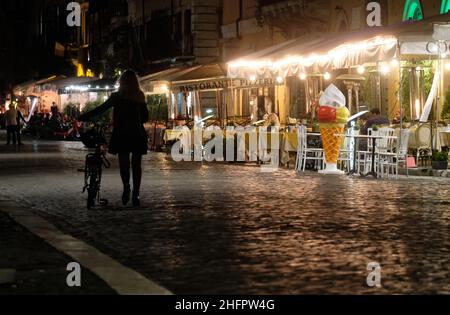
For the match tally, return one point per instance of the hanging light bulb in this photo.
(253, 78)
(395, 63)
(385, 69)
(303, 76)
(361, 69)
(280, 80)
(327, 76)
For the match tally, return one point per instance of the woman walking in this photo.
(129, 137)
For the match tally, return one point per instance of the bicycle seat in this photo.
(91, 139)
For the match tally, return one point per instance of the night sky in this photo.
(31, 30)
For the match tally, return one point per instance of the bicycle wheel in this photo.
(92, 190)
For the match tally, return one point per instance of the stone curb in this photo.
(123, 280)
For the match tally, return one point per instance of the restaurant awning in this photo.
(86, 85)
(25, 88)
(44, 85)
(158, 83)
(416, 45)
(73, 81)
(203, 72)
(50, 79)
(316, 54)
(202, 77)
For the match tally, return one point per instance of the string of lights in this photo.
(328, 60)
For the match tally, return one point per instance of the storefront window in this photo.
(208, 103)
(250, 100)
(413, 11)
(445, 6)
(297, 98)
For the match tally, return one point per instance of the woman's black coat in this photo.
(129, 116)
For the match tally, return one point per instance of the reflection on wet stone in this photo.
(230, 229)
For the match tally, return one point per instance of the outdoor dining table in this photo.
(375, 138)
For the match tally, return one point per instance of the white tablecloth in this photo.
(420, 137)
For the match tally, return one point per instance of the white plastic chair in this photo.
(365, 157)
(386, 144)
(383, 145)
(391, 161)
(305, 154)
(347, 150)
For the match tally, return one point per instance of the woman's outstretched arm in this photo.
(99, 110)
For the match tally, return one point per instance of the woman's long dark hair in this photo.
(129, 85)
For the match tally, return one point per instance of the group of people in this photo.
(129, 138)
(51, 125)
(42, 124)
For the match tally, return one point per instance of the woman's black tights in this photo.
(136, 166)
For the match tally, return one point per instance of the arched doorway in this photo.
(445, 8)
(413, 11)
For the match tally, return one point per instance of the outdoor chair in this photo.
(305, 153)
(347, 151)
(423, 142)
(365, 156)
(390, 161)
(382, 146)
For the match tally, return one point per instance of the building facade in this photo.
(176, 31)
(251, 26)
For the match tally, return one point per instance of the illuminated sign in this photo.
(225, 83)
(203, 86)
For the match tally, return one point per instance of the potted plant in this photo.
(440, 161)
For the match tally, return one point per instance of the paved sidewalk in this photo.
(120, 278)
(230, 229)
(40, 269)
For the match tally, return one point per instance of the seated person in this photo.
(271, 120)
(375, 119)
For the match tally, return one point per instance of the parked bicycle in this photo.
(94, 165)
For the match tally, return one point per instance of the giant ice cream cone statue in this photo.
(333, 116)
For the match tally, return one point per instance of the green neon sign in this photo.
(445, 8)
(413, 10)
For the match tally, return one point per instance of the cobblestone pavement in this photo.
(40, 269)
(231, 229)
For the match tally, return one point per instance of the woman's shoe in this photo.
(126, 195)
(136, 200)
